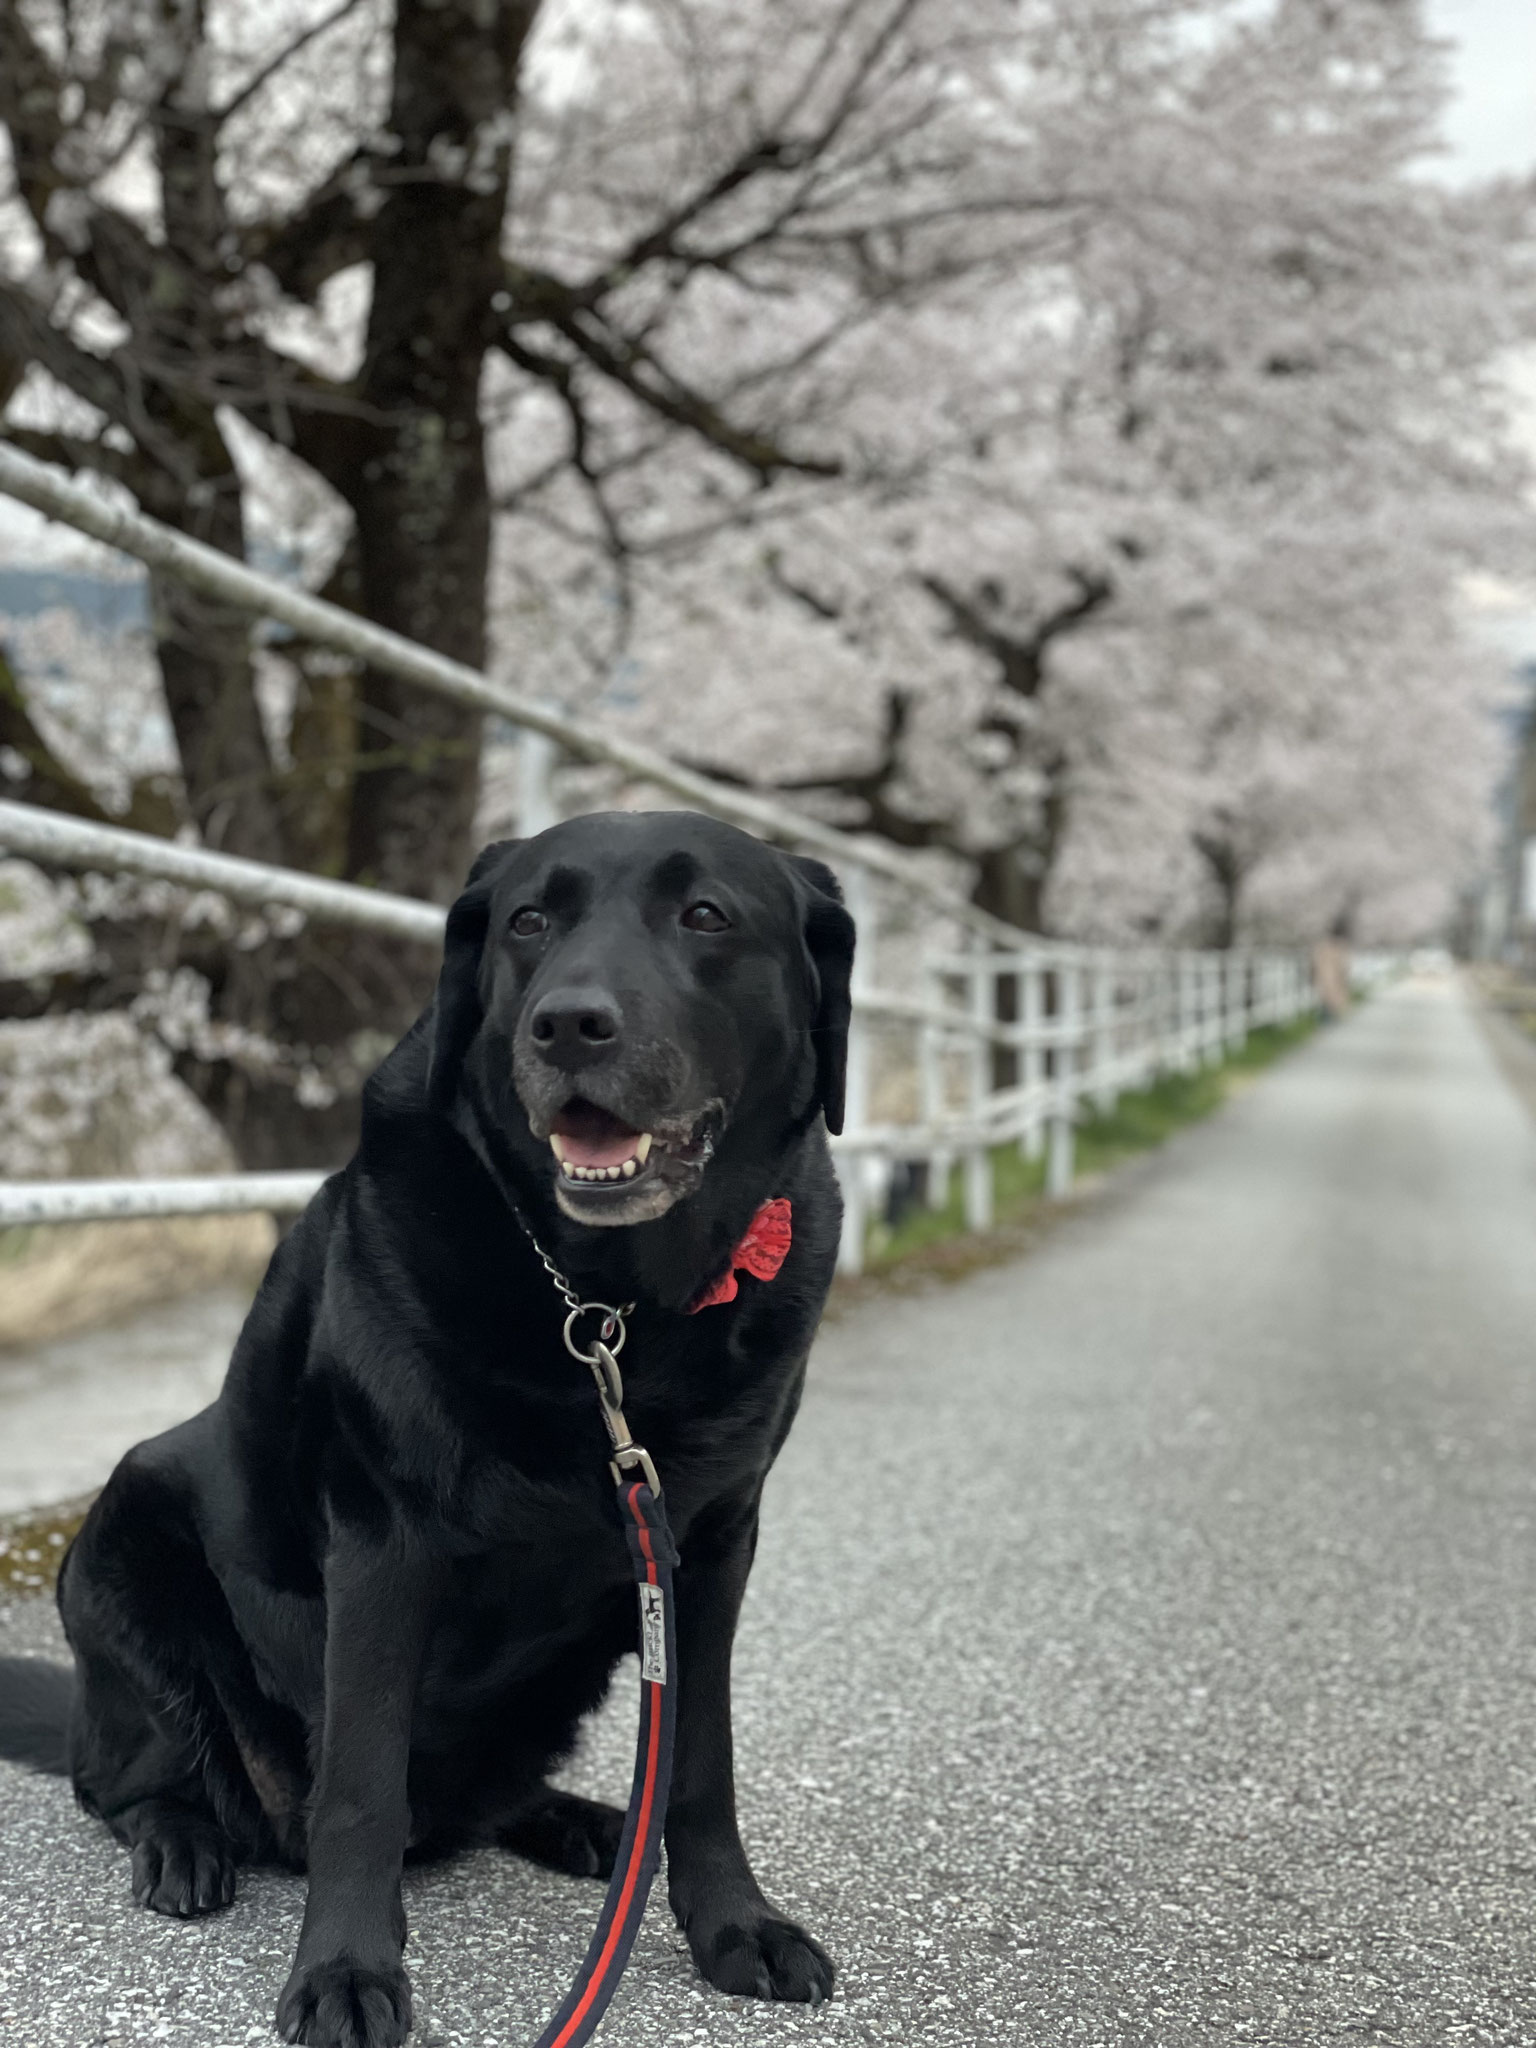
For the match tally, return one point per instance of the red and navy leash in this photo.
(653, 1554)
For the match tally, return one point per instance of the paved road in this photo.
(71, 1407)
(1141, 1649)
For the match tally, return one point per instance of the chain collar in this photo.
(613, 1331)
(602, 1358)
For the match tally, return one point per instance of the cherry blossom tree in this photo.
(343, 250)
(1243, 429)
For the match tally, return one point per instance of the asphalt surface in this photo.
(1140, 1649)
(71, 1407)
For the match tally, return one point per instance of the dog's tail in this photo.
(35, 1701)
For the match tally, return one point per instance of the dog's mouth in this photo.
(608, 1170)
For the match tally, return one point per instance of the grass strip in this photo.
(33, 1542)
(1140, 1121)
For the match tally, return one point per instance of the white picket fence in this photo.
(967, 1034)
(1080, 1026)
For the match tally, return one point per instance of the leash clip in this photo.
(634, 1457)
(627, 1456)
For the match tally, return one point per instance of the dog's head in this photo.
(639, 985)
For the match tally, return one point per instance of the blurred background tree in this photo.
(1050, 436)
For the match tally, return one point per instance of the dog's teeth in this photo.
(642, 1148)
(625, 1171)
(557, 1147)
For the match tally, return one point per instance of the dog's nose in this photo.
(574, 1027)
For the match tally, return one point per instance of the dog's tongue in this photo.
(590, 1137)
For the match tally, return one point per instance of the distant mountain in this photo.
(106, 602)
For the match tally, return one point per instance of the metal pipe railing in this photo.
(60, 841)
(111, 1201)
(1111, 1022)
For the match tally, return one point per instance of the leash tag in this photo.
(653, 1635)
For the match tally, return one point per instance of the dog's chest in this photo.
(540, 1616)
(542, 1563)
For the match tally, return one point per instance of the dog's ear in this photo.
(456, 1009)
(829, 939)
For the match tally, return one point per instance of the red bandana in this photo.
(761, 1253)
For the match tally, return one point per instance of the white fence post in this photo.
(1104, 1083)
(1060, 1161)
(1236, 1000)
(853, 1165)
(978, 1158)
(931, 1103)
(1031, 1056)
(1154, 1017)
(1213, 1015)
(1166, 1006)
(536, 810)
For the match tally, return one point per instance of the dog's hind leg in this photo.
(564, 1832)
(143, 1779)
(152, 1750)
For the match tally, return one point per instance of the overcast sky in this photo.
(1491, 124)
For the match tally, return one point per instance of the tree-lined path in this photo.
(1140, 1651)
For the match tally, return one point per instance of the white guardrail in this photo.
(967, 1034)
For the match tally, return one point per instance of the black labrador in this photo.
(358, 1608)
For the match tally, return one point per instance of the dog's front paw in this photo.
(763, 1956)
(340, 2004)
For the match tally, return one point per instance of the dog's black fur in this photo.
(359, 1606)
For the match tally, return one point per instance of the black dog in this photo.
(359, 1606)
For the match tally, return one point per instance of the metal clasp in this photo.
(626, 1457)
(627, 1454)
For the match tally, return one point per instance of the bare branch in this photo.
(1020, 657)
(27, 333)
(275, 64)
(29, 109)
(639, 373)
(870, 786)
(326, 236)
(78, 451)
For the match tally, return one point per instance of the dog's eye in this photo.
(704, 917)
(528, 923)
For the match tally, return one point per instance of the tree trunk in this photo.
(1229, 874)
(415, 476)
(1008, 885)
(1011, 881)
(423, 499)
